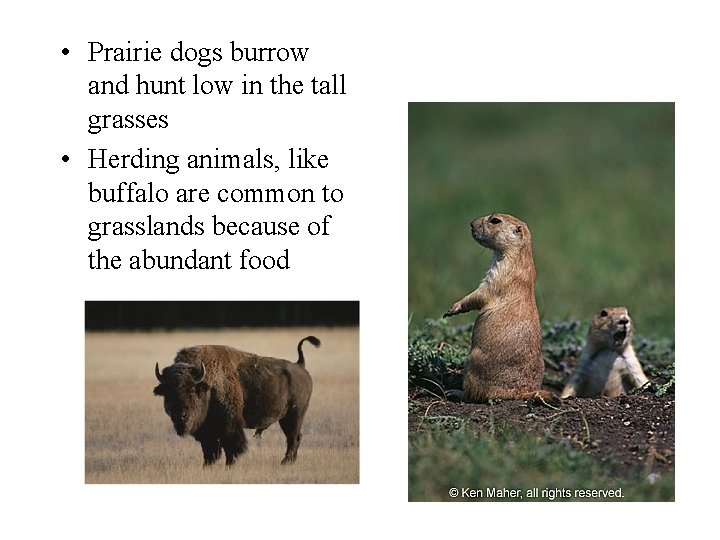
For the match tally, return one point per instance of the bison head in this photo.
(186, 395)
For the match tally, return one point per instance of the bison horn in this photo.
(157, 372)
(202, 373)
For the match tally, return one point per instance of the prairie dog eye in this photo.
(495, 220)
(603, 313)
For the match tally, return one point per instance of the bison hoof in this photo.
(210, 459)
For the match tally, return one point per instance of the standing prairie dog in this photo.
(505, 359)
(607, 365)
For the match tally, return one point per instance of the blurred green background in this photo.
(594, 182)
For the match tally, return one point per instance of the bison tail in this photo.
(301, 357)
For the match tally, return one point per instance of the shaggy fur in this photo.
(213, 392)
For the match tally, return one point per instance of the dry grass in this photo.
(129, 438)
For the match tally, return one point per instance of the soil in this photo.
(634, 434)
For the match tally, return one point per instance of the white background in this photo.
(391, 53)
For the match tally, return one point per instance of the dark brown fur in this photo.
(213, 392)
(505, 359)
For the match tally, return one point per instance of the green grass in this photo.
(440, 460)
(438, 349)
(595, 183)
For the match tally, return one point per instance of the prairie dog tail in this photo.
(301, 357)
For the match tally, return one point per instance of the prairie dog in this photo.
(607, 365)
(505, 359)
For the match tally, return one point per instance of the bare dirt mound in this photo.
(632, 434)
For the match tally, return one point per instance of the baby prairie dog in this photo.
(505, 359)
(607, 365)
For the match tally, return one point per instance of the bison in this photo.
(213, 392)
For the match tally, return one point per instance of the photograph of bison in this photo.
(214, 392)
(131, 439)
(147, 406)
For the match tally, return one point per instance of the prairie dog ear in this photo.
(159, 390)
(518, 230)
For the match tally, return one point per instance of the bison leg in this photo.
(291, 427)
(211, 450)
(234, 444)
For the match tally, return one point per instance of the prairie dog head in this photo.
(612, 328)
(500, 232)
